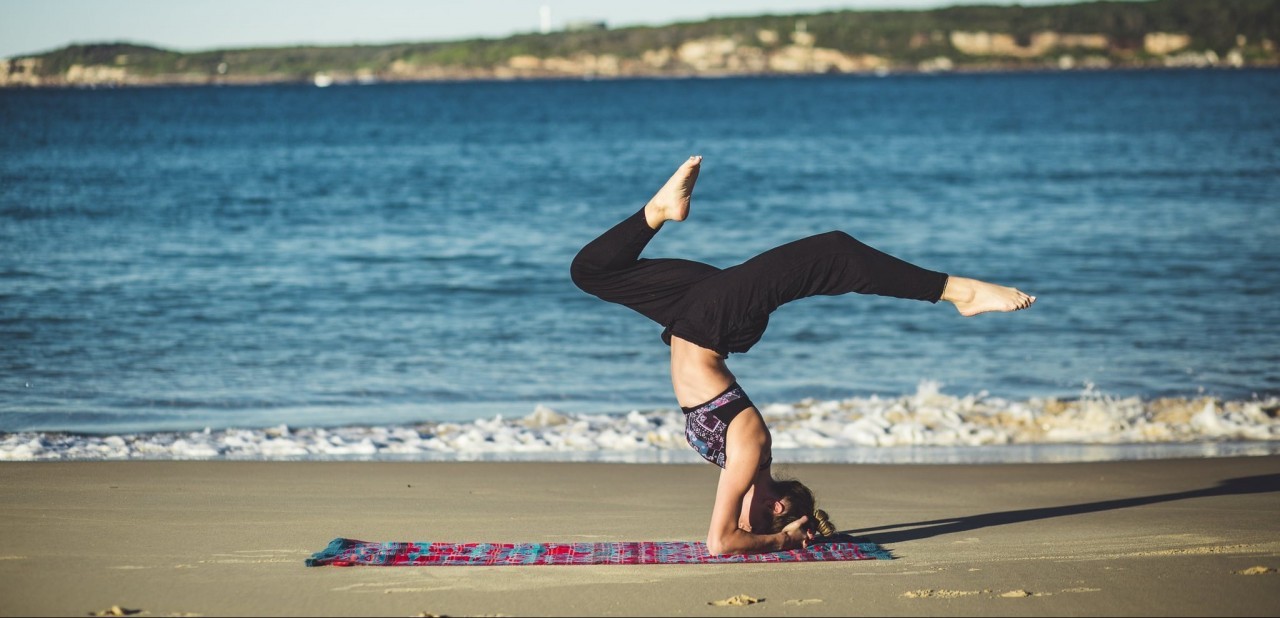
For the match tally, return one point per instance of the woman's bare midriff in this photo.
(697, 374)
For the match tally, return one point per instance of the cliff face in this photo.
(708, 56)
(1040, 43)
(1231, 33)
(20, 72)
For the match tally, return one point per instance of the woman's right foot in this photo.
(972, 297)
(671, 202)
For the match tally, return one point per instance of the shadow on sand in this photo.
(914, 531)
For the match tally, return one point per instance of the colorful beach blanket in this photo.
(350, 552)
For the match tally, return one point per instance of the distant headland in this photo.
(1095, 35)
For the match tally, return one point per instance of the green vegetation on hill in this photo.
(1212, 24)
(899, 37)
(263, 61)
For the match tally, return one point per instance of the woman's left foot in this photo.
(972, 297)
(671, 202)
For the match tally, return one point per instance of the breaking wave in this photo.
(957, 428)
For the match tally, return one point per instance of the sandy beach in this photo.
(1175, 537)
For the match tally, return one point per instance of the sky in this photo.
(33, 26)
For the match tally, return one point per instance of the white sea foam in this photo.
(964, 428)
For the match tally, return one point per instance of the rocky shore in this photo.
(845, 42)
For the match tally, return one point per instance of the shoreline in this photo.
(309, 82)
(223, 538)
(926, 427)
(1003, 454)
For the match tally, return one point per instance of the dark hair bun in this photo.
(825, 527)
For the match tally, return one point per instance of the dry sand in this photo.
(1180, 537)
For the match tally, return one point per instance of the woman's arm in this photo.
(746, 442)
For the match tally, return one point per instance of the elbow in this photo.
(716, 546)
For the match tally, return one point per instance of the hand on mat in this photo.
(796, 535)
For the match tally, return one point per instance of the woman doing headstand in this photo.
(709, 313)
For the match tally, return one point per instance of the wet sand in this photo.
(1178, 537)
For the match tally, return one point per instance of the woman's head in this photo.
(794, 501)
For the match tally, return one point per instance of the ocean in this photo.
(291, 271)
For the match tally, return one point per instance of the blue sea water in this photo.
(180, 258)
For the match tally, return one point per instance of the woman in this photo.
(709, 313)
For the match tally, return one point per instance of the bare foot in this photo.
(972, 297)
(671, 202)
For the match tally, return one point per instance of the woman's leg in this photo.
(737, 301)
(835, 263)
(610, 266)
